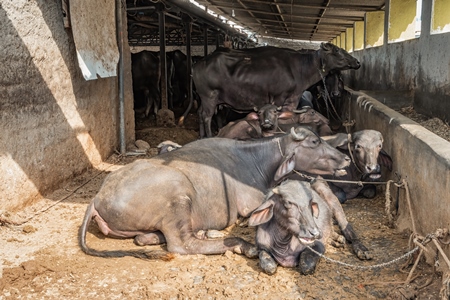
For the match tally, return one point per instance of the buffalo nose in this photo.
(373, 168)
(317, 234)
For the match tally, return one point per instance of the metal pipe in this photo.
(162, 56)
(119, 31)
(207, 18)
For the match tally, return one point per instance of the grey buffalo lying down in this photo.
(366, 147)
(293, 217)
(203, 185)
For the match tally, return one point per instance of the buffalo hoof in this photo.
(369, 192)
(309, 260)
(337, 240)
(267, 263)
(251, 252)
(308, 263)
(361, 251)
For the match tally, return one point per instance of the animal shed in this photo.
(59, 130)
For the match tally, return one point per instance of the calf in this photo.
(293, 217)
(306, 116)
(258, 124)
(365, 148)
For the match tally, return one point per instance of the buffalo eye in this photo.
(357, 146)
(379, 146)
(287, 205)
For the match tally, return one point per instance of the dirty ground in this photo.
(41, 259)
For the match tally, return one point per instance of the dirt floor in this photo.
(41, 259)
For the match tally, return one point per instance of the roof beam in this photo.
(349, 7)
(310, 16)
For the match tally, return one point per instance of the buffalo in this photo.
(306, 116)
(293, 217)
(262, 123)
(146, 76)
(204, 185)
(243, 79)
(367, 158)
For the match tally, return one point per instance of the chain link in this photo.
(364, 267)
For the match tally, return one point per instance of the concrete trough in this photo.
(420, 156)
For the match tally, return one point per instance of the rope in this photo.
(327, 98)
(360, 183)
(364, 267)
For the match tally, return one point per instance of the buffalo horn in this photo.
(301, 111)
(297, 136)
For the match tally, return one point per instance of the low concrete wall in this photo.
(419, 156)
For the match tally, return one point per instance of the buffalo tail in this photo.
(155, 254)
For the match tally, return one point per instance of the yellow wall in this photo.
(402, 20)
(349, 39)
(338, 41)
(374, 28)
(440, 20)
(343, 40)
(359, 35)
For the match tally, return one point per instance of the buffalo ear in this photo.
(325, 46)
(315, 209)
(286, 167)
(262, 214)
(385, 160)
(339, 140)
(252, 116)
(286, 115)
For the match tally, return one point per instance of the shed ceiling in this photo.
(307, 20)
(311, 20)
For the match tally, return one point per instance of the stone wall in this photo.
(53, 123)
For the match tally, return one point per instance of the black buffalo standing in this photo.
(243, 79)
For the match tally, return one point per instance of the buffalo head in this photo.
(268, 116)
(366, 147)
(334, 58)
(295, 211)
(307, 152)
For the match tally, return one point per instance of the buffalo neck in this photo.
(310, 66)
(263, 155)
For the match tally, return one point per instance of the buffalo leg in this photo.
(308, 259)
(182, 239)
(369, 191)
(267, 263)
(322, 188)
(152, 238)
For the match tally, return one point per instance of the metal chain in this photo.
(364, 267)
